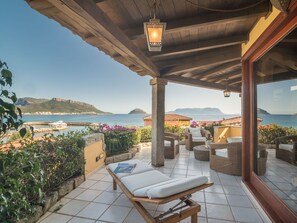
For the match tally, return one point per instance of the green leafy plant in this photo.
(9, 114)
(21, 183)
(177, 129)
(145, 134)
(17, 136)
(38, 168)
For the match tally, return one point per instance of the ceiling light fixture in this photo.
(154, 31)
(227, 92)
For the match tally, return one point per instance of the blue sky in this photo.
(279, 97)
(48, 61)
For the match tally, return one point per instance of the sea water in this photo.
(137, 119)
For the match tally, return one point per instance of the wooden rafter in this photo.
(203, 21)
(199, 83)
(216, 57)
(93, 17)
(199, 46)
(218, 69)
(277, 77)
(235, 81)
(222, 77)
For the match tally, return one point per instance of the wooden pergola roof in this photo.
(201, 47)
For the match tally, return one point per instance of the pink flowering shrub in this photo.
(118, 139)
(194, 124)
(268, 133)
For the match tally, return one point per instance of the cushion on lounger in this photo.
(288, 147)
(176, 187)
(142, 192)
(222, 152)
(139, 168)
(145, 179)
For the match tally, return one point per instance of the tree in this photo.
(10, 114)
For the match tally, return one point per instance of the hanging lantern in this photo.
(154, 31)
(227, 93)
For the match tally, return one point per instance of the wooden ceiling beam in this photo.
(216, 18)
(277, 77)
(218, 69)
(235, 81)
(92, 16)
(213, 58)
(199, 46)
(226, 75)
(199, 83)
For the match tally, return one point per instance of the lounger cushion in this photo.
(145, 179)
(222, 152)
(168, 143)
(288, 147)
(176, 187)
(142, 192)
(139, 168)
(198, 139)
(196, 132)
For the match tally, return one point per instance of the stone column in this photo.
(158, 113)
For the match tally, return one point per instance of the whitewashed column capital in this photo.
(159, 81)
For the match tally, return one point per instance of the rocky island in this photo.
(137, 111)
(262, 111)
(57, 106)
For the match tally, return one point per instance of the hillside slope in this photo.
(56, 105)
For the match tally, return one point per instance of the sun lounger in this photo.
(145, 184)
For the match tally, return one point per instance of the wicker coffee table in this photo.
(201, 153)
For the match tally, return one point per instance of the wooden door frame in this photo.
(276, 209)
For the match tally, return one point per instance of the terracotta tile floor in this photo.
(95, 201)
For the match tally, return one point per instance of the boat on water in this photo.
(57, 126)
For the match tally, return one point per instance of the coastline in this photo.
(62, 113)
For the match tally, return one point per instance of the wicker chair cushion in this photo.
(196, 132)
(139, 168)
(234, 139)
(287, 147)
(198, 139)
(168, 143)
(222, 152)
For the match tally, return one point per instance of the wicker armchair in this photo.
(191, 140)
(284, 151)
(261, 160)
(226, 158)
(171, 145)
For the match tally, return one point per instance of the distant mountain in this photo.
(197, 111)
(137, 111)
(262, 111)
(55, 106)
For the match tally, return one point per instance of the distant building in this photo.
(235, 121)
(170, 119)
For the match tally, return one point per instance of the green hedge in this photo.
(145, 134)
(177, 129)
(268, 133)
(27, 174)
